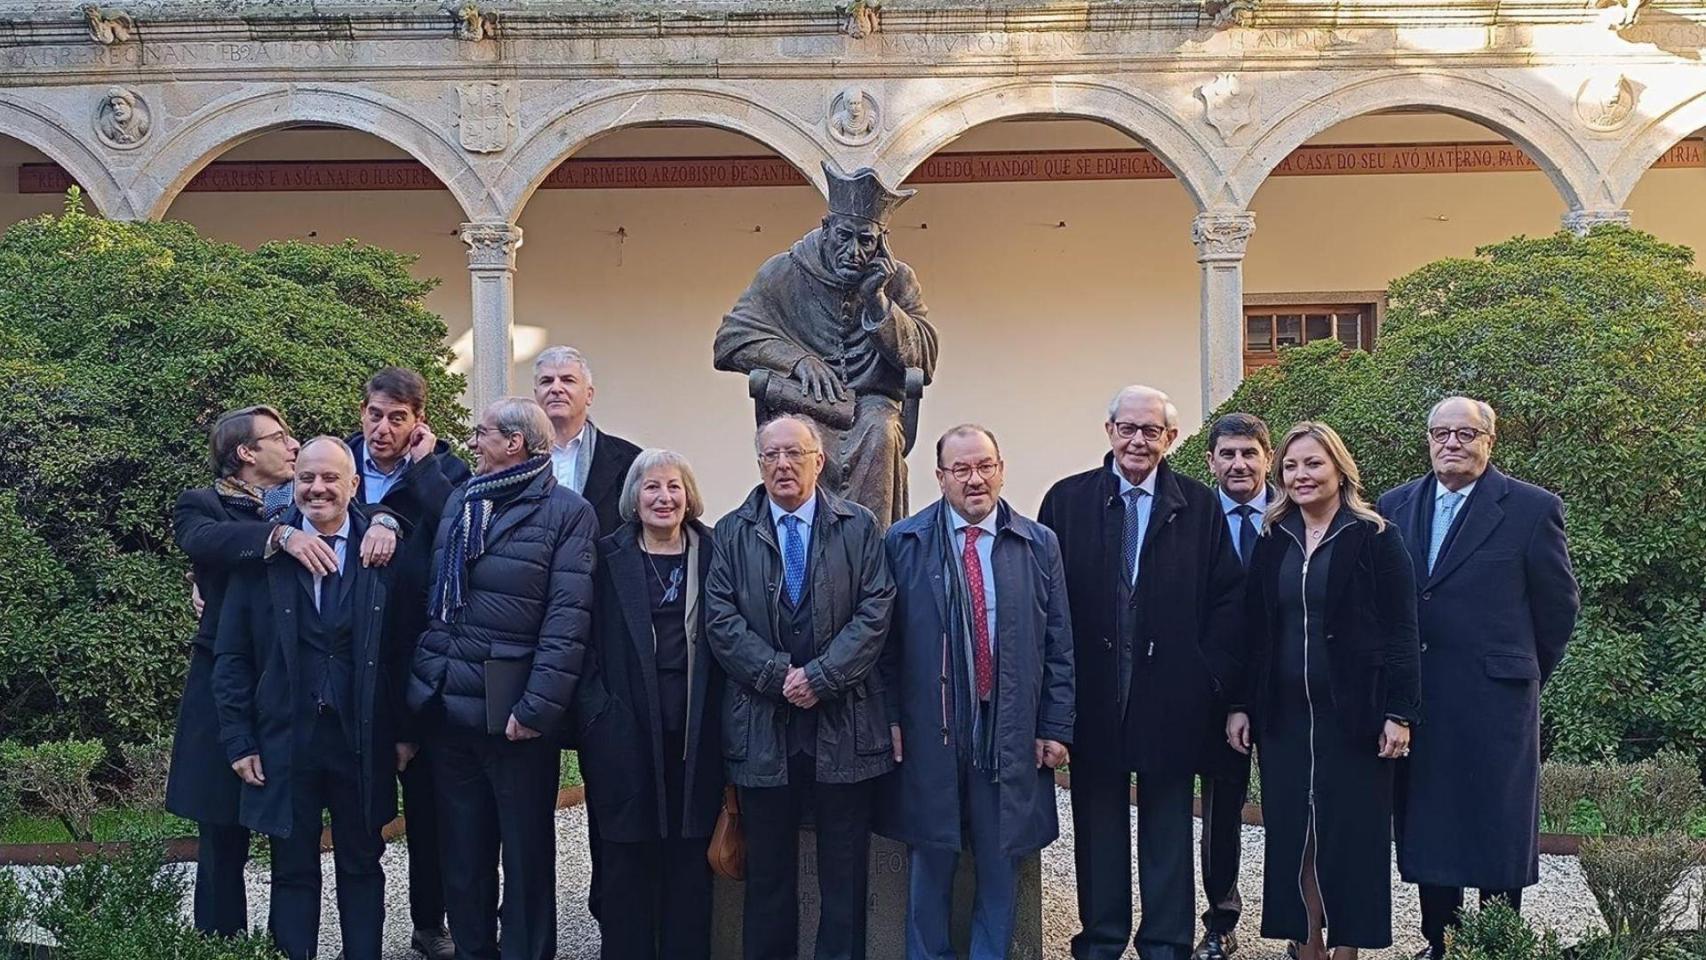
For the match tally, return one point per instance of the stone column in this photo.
(1220, 236)
(491, 268)
(1579, 222)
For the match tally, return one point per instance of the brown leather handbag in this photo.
(727, 852)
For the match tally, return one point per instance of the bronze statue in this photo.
(834, 329)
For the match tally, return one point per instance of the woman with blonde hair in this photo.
(1327, 689)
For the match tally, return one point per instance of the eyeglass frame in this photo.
(1126, 430)
(792, 454)
(1475, 433)
(993, 467)
(282, 433)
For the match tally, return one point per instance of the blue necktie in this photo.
(793, 559)
(1444, 513)
(1133, 532)
(1246, 534)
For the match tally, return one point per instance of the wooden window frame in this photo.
(1371, 303)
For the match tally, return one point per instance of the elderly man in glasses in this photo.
(978, 672)
(1156, 589)
(1497, 601)
(798, 602)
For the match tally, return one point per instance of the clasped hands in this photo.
(797, 690)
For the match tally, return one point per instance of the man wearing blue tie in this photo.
(1239, 455)
(1497, 601)
(798, 601)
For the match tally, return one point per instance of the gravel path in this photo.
(1561, 900)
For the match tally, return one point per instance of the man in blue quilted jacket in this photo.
(494, 676)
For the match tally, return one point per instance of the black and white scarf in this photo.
(968, 716)
(269, 503)
(468, 540)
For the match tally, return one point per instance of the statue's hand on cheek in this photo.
(873, 289)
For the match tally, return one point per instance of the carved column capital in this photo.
(1579, 222)
(1222, 235)
(491, 246)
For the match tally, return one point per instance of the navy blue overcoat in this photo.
(1033, 686)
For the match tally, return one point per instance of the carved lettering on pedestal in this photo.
(485, 116)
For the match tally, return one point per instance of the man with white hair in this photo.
(1497, 601)
(585, 459)
(495, 675)
(1155, 587)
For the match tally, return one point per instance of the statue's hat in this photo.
(862, 195)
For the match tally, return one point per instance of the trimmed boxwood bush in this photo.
(1593, 351)
(119, 345)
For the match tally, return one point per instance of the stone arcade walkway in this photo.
(1561, 900)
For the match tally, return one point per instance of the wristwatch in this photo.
(388, 522)
(284, 534)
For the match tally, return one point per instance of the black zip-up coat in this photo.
(1370, 635)
(852, 594)
(1150, 701)
(529, 597)
(619, 717)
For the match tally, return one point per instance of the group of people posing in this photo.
(371, 612)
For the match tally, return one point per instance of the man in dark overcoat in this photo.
(1498, 602)
(306, 681)
(223, 528)
(1155, 588)
(405, 474)
(978, 673)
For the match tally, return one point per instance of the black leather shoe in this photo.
(1429, 953)
(433, 944)
(1216, 946)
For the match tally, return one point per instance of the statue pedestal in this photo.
(886, 921)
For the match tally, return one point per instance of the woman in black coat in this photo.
(647, 714)
(1327, 691)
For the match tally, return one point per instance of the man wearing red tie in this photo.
(978, 672)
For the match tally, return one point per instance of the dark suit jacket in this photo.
(257, 683)
(611, 458)
(620, 720)
(1496, 613)
(1169, 717)
(219, 541)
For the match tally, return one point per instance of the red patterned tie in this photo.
(982, 661)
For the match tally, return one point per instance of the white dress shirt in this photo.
(807, 512)
(1229, 506)
(566, 458)
(342, 547)
(1145, 505)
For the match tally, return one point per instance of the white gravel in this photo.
(1561, 900)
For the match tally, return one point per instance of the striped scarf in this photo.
(269, 503)
(468, 540)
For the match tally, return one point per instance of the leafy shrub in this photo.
(127, 906)
(14, 907)
(1593, 351)
(1496, 932)
(1662, 794)
(1633, 879)
(119, 345)
(1563, 788)
(57, 774)
(145, 768)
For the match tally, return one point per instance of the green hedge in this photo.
(1593, 351)
(119, 345)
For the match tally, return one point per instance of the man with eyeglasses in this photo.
(798, 601)
(978, 676)
(1498, 602)
(1156, 588)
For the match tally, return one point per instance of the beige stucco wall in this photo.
(1039, 322)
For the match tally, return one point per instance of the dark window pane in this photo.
(1350, 330)
(1317, 326)
(1288, 330)
(1259, 333)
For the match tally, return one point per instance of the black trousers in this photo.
(499, 799)
(426, 860)
(221, 899)
(1440, 907)
(771, 817)
(329, 779)
(1222, 850)
(1101, 824)
(664, 890)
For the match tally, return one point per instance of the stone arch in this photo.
(1134, 113)
(1651, 142)
(31, 123)
(1547, 141)
(226, 123)
(540, 150)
